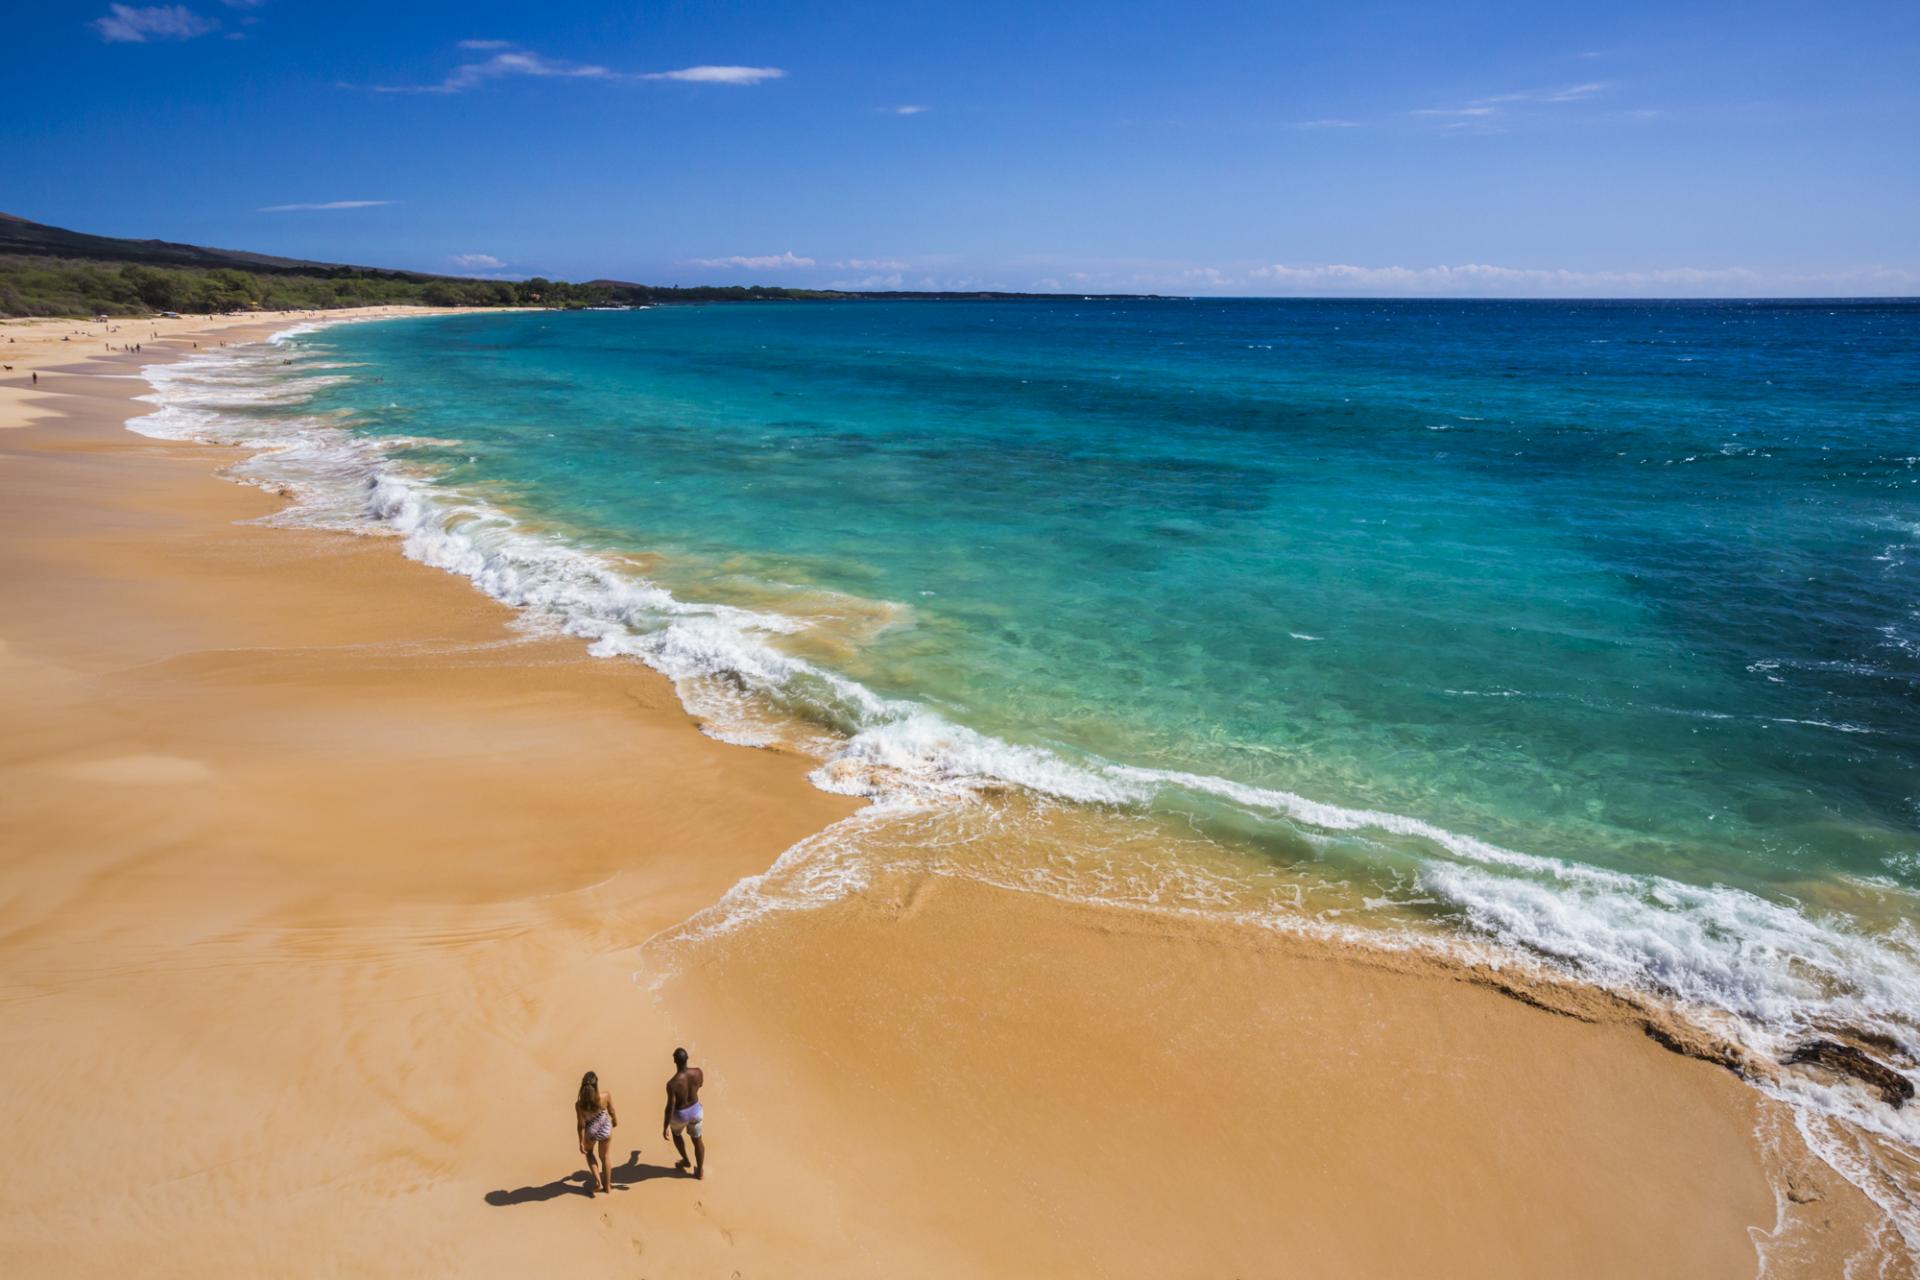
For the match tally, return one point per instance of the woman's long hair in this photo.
(589, 1099)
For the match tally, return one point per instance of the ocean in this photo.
(1583, 635)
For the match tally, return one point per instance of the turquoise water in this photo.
(1592, 629)
(1633, 585)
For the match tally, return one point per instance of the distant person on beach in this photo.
(593, 1119)
(684, 1114)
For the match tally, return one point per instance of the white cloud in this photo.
(873, 264)
(516, 63)
(477, 262)
(512, 61)
(718, 75)
(323, 204)
(1454, 111)
(1329, 123)
(911, 109)
(891, 280)
(125, 24)
(762, 262)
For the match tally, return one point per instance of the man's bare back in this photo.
(684, 1089)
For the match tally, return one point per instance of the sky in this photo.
(1434, 148)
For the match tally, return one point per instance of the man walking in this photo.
(683, 1113)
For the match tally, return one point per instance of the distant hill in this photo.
(21, 236)
(51, 271)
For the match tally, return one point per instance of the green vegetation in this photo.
(47, 286)
(50, 271)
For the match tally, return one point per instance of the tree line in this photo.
(48, 286)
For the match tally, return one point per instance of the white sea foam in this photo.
(1763, 972)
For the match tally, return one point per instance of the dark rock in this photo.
(1843, 1059)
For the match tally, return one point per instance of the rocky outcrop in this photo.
(1843, 1059)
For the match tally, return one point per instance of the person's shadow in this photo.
(581, 1183)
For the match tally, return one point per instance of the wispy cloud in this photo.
(477, 262)
(472, 75)
(1572, 93)
(1481, 110)
(911, 109)
(510, 61)
(323, 204)
(125, 24)
(718, 75)
(873, 264)
(752, 262)
(1327, 123)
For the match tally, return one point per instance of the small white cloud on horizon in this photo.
(477, 262)
(911, 109)
(753, 262)
(718, 75)
(1470, 280)
(322, 204)
(891, 280)
(873, 264)
(1481, 280)
(124, 24)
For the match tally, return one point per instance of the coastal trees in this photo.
(47, 286)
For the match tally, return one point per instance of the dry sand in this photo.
(320, 886)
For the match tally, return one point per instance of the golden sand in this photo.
(320, 886)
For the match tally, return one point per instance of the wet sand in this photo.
(320, 886)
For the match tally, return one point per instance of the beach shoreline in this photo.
(370, 876)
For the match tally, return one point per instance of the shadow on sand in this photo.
(580, 1183)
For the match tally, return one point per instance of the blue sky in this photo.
(1351, 148)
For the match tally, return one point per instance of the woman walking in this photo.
(593, 1119)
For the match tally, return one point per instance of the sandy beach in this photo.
(320, 885)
